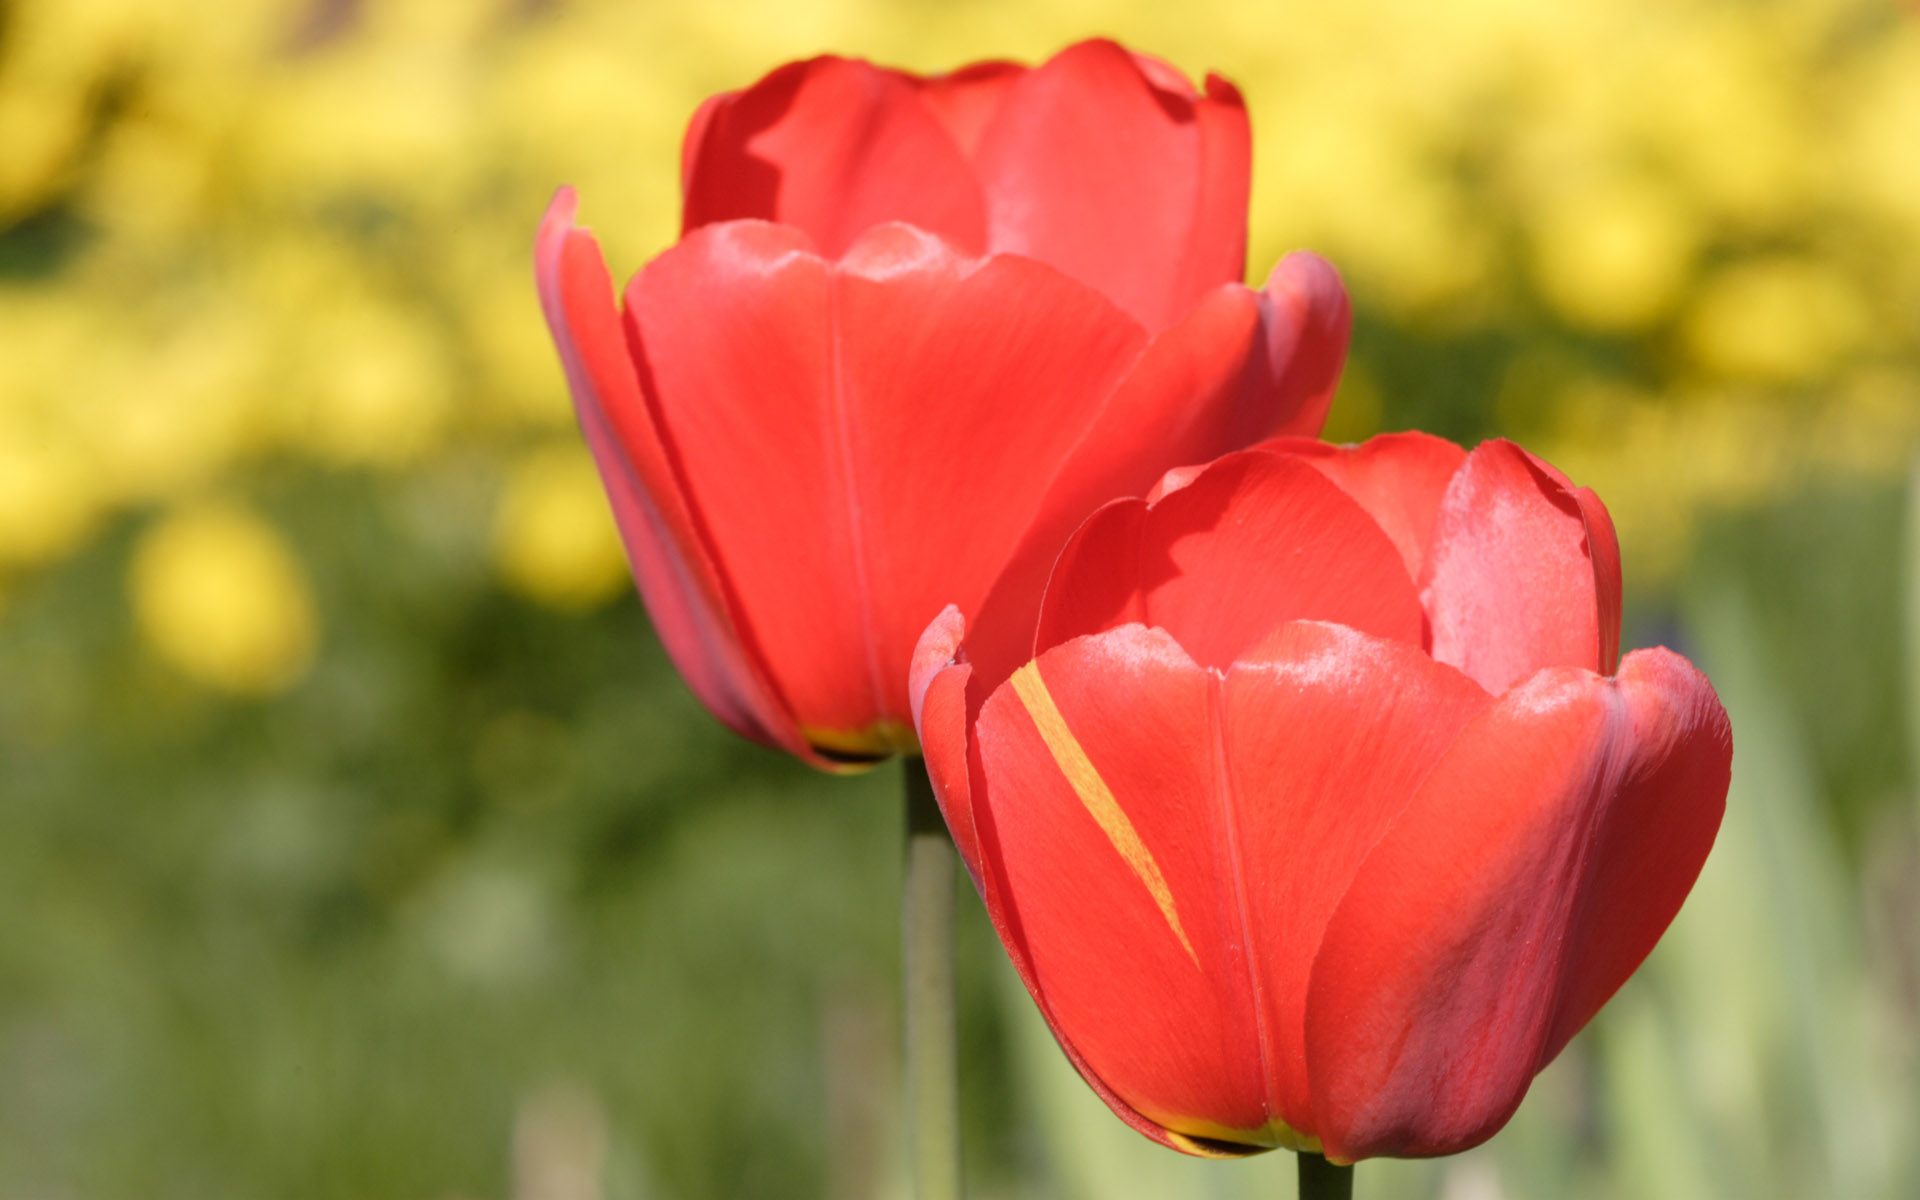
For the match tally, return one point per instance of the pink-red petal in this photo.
(966, 101)
(1531, 873)
(1399, 478)
(1308, 321)
(937, 685)
(1603, 547)
(942, 713)
(1216, 249)
(1119, 174)
(1522, 572)
(685, 593)
(865, 440)
(1242, 366)
(1255, 540)
(1100, 823)
(1326, 735)
(833, 146)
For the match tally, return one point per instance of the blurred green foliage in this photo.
(356, 839)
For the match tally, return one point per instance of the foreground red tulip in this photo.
(1102, 163)
(815, 436)
(1323, 815)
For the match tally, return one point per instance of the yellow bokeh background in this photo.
(217, 592)
(285, 231)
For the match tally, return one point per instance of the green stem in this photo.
(1321, 1180)
(933, 1075)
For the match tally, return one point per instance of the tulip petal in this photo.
(1111, 168)
(938, 684)
(1242, 366)
(1399, 478)
(1308, 321)
(1523, 572)
(833, 146)
(966, 101)
(861, 437)
(942, 713)
(1100, 826)
(1531, 873)
(686, 595)
(695, 139)
(1603, 546)
(1327, 735)
(1255, 540)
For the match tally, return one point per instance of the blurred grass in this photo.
(356, 839)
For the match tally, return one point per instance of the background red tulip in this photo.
(817, 433)
(1103, 163)
(1322, 814)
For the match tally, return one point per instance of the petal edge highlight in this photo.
(1521, 573)
(675, 573)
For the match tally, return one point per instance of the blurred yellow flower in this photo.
(1614, 256)
(378, 381)
(1880, 125)
(164, 410)
(375, 120)
(1358, 187)
(150, 182)
(219, 595)
(521, 385)
(1723, 101)
(49, 501)
(42, 128)
(553, 538)
(1775, 320)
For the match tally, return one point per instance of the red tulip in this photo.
(816, 435)
(1323, 815)
(1102, 163)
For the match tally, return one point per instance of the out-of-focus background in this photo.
(356, 839)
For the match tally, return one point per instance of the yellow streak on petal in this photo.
(1073, 762)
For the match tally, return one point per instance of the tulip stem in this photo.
(933, 1074)
(1322, 1180)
